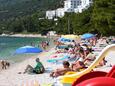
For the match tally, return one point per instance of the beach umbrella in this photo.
(64, 40)
(73, 37)
(28, 49)
(87, 36)
(60, 39)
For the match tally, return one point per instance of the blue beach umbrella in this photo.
(60, 39)
(87, 36)
(28, 49)
(64, 40)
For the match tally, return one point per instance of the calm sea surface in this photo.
(8, 45)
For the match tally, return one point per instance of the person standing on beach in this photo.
(47, 43)
(43, 44)
(32, 44)
(4, 64)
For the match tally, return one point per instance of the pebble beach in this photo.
(13, 76)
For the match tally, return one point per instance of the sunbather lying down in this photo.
(39, 68)
(61, 71)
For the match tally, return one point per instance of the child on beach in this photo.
(61, 71)
(4, 64)
(39, 68)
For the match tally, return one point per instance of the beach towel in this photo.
(62, 47)
(66, 57)
(30, 83)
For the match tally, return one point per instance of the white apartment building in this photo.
(69, 6)
(60, 12)
(86, 3)
(55, 13)
(76, 5)
(50, 14)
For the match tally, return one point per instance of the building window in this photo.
(71, 1)
(80, 2)
(75, 5)
(77, 2)
(74, 2)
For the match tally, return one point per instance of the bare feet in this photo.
(19, 72)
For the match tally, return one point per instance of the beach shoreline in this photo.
(14, 61)
(20, 67)
(11, 76)
(19, 40)
(29, 35)
(23, 35)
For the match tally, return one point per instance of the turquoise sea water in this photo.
(8, 45)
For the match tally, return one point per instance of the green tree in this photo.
(103, 17)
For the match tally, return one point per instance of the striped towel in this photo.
(31, 83)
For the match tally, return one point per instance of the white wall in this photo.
(60, 12)
(69, 6)
(50, 14)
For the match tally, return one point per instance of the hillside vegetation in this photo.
(98, 19)
(15, 8)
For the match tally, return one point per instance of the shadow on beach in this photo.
(48, 70)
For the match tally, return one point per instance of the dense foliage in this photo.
(14, 8)
(99, 18)
(27, 24)
(103, 16)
